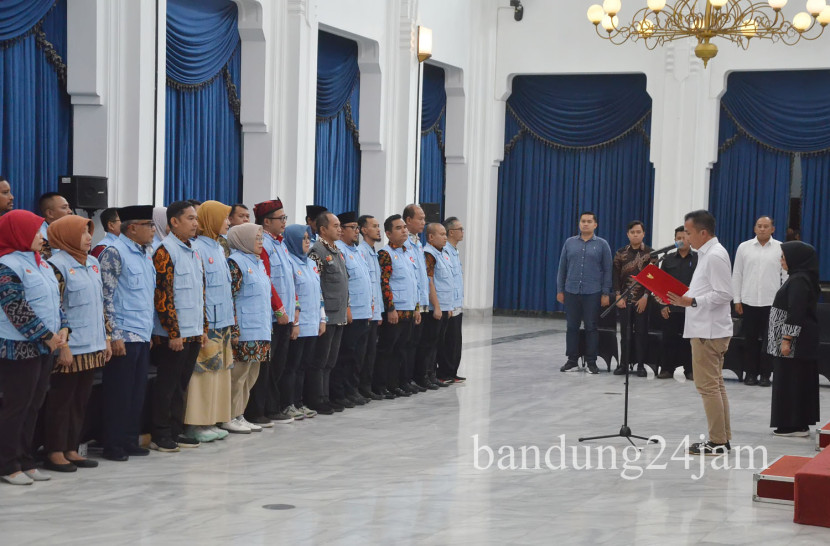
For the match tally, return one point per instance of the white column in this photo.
(372, 153)
(457, 177)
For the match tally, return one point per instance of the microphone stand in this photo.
(625, 430)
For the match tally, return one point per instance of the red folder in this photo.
(660, 283)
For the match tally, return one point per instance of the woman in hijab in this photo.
(209, 390)
(82, 298)
(160, 222)
(251, 335)
(32, 328)
(312, 321)
(794, 341)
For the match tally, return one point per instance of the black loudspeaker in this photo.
(432, 212)
(84, 192)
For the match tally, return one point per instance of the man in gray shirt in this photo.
(334, 282)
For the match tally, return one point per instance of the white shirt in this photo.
(758, 274)
(711, 287)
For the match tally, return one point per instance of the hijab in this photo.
(293, 238)
(243, 237)
(802, 260)
(17, 231)
(212, 216)
(160, 221)
(66, 234)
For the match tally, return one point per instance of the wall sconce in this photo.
(424, 43)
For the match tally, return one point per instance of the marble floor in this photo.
(418, 470)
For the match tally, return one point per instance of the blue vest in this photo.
(371, 257)
(360, 283)
(83, 302)
(404, 280)
(40, 288)
(253, 300)
(188, 289)
(107, 240)
(442, 278)
(133, 296)
(281, 276)
(458, 275)
(307, 282)
(218, 297)
(416, 249)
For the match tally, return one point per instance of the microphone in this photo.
(655, 253)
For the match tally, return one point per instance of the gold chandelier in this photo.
(734, 20)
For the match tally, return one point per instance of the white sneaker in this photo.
(220, 434)
(235, 426)
(306, 411)
(244, 422)
(295, 413)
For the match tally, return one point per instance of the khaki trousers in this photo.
(243, 377)
(707, 367)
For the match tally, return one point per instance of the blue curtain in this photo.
(766, 119)
(572, 143)
(337, 152)
(36, 114)
(203, 137)
(433, 125)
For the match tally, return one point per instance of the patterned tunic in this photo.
(629, 262)
(22, 317)
(245, 351)
(165, 297)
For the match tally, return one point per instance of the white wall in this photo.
(119, 111)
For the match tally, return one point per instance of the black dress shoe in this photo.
(750, 381)
(55, 467)
(336, 406)
(764, 382)
(388, 395)
(137, 451)
(84, 463)
(620, 370)
(431, 386)
(417, 387)
(345, 402)
(371, 395)
(442, 382)
(322, 409)
(397, 391)
(117, 455)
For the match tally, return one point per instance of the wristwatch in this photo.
(694, 302)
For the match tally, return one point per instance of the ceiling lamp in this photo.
(735, 20)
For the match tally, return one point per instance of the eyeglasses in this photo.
(146, 224)
(282, 218)
(461, 229)
(349, 227)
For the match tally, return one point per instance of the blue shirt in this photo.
(585, 266)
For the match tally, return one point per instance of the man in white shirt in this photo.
(756, 278)
(709, 326)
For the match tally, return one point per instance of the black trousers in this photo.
(290, 386)
(391, 353)
(367, 370)
(124, 386)
(449, 352)
(265, 396)
(633, 334)
(318, 372)
(24, 383)
(174, 369)
(674, 349)
(346, 373)
(407, 371)
(432, 335)
(65, 410)
(754, 330)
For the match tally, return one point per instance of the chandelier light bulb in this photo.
(749, 28)
(777, 4)
(824, 17)
(612, 7)
(816, 6)
(644, 28)
(656, 5)
(802, 21)
(595, 14)
(718, 4)
(610, 23)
